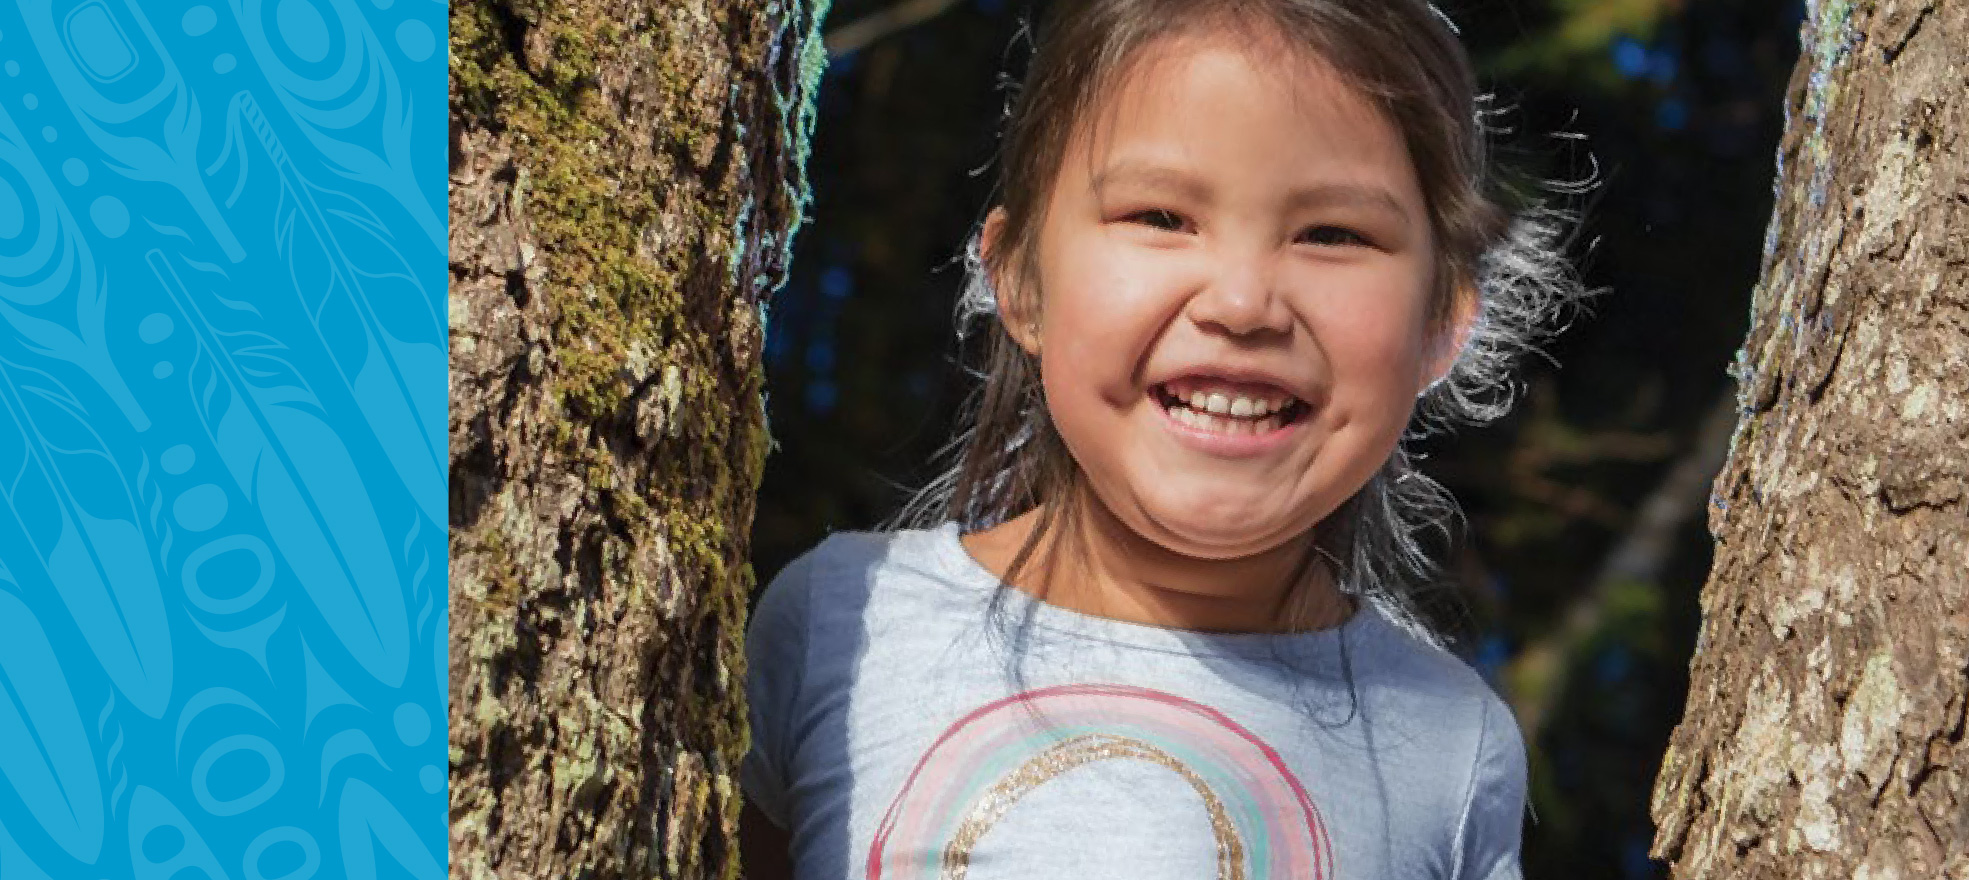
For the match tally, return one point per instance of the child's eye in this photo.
(1157, 217)
(1336, 235)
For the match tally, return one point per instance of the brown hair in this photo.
(1404, 55)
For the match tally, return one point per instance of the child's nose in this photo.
(1241, 299)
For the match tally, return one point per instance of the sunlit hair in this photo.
(1406, 57)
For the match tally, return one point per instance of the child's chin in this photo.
(1222, 537)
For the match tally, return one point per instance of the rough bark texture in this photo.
(1823, 735)
(625, 178)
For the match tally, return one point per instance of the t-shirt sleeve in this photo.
(775, 662)
(1493, 817)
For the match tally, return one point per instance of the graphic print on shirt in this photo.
(1266, 828)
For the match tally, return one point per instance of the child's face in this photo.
(1177, 268)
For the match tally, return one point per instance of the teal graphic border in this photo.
(222, 439)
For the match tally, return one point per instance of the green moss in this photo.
(587, 211)
(618, 322)
(1829, 37)
(1831, 34)
(501, 590)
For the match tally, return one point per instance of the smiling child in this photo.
(1157, 620)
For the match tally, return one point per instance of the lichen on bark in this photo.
(1824, 730)
(626, 176)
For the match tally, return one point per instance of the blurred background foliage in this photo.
(1585, 545)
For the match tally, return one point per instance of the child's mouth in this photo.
(1225, 408)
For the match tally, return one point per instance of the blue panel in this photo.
(222, 439)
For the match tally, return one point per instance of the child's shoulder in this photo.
(1412, 665)
(854, 555)
(830, 601)
(848, 564)
(837, 551)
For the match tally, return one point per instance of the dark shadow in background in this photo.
(1682, 114)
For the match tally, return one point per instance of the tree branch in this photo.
(863, 31)
(1539, 675)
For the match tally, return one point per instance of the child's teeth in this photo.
(1228, 414)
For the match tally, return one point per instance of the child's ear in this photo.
(1448, 339)
(1019, 323)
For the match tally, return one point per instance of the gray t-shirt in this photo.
(890, 737)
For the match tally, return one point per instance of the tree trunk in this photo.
(1823, 734)
(626, 177)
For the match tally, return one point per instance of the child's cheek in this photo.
(1078, 375)
(1095, 336)
(1381, 339)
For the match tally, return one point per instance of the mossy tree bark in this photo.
(626, 176)
(1824, 731)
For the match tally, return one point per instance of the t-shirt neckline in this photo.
(963, 568)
